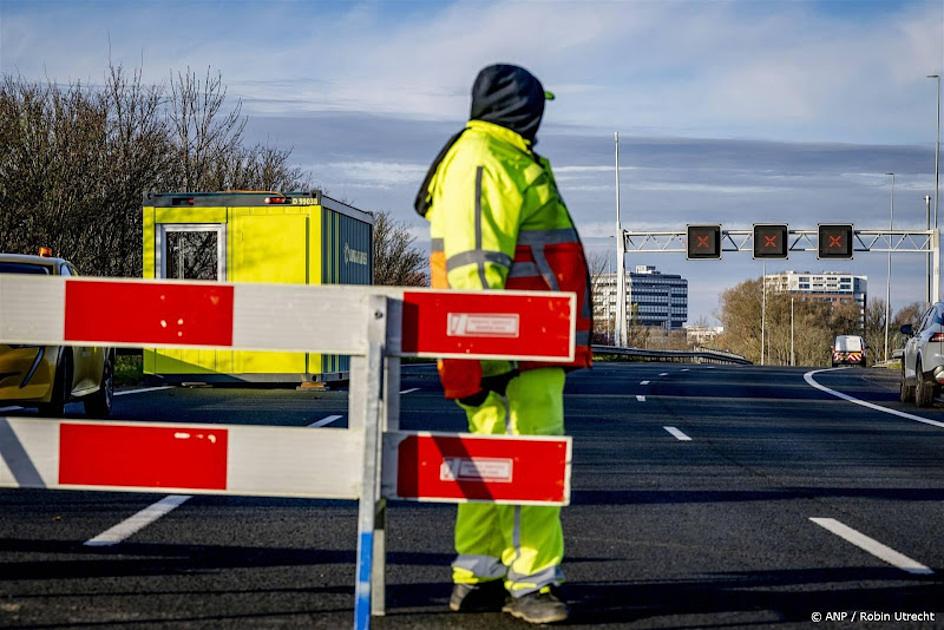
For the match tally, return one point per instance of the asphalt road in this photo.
(707, 532)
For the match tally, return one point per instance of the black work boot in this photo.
(483, 597)
(539, 607)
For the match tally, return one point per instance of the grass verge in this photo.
(129, 370)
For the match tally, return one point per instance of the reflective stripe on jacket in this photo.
(498, 221)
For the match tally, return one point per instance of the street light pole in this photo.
(937, 152)
(888, 273)
(927, 257)
(620, 329)
(792, 331)
(935, 278)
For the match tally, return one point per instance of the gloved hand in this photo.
(461, 378)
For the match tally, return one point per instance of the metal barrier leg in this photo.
(390, 422)
(378, 591)
(370, 481)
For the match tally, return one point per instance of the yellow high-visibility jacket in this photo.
(498, 221)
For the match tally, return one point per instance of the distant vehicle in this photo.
(849, 350)
(48, 377)
(922, 362)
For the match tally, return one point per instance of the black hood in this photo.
(509, 96)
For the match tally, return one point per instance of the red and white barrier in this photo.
(460, 468)
(368, 461)
(280, 461)
(170, 457)
(142, 313)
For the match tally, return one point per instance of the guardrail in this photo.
(698, 355)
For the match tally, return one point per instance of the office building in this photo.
(661, 299)
(828, 286)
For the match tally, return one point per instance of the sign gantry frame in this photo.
(802, 240)
(890, 241)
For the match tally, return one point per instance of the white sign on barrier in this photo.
(369, 462)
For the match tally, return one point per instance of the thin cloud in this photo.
(733, 112)
(375, 173)
(783, 70)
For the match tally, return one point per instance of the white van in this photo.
(849, 350)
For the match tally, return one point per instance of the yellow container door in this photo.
(190, 244)
(268, 248)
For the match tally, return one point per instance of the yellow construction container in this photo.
(295, 238)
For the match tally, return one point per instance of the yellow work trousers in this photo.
(523, 544)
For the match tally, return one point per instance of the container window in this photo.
(191, 252)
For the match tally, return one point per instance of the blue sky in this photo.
(731, 112)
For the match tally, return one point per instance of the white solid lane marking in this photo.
(678, 434)
(410, 391)
(808, 377)
(640, 398)
(139, 521)
(324, 421)
(142, 390)
(643, 382)
(663, 374)
(873, 546)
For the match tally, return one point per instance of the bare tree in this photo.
(875, 330)
(75, 161)
(397, 261)
(205, 135)
(816, 324)
(908, 314)
(603, 323)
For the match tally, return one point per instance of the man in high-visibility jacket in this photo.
(497, 221)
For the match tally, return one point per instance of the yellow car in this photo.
(48, 377)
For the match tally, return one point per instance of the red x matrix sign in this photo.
(770, 241)
(704, 241)
(835, 241)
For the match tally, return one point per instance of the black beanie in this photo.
(509, 96)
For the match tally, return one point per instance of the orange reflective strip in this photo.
(437, 271)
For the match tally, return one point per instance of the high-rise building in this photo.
(828, 286)
(659, 299)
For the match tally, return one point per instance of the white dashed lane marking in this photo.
(663, 374)
(142, 390)
(874, 547)
(643, 382)
(134, 524)
(324, 421)
(640, 398)
(678, 434)
(410, 391)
